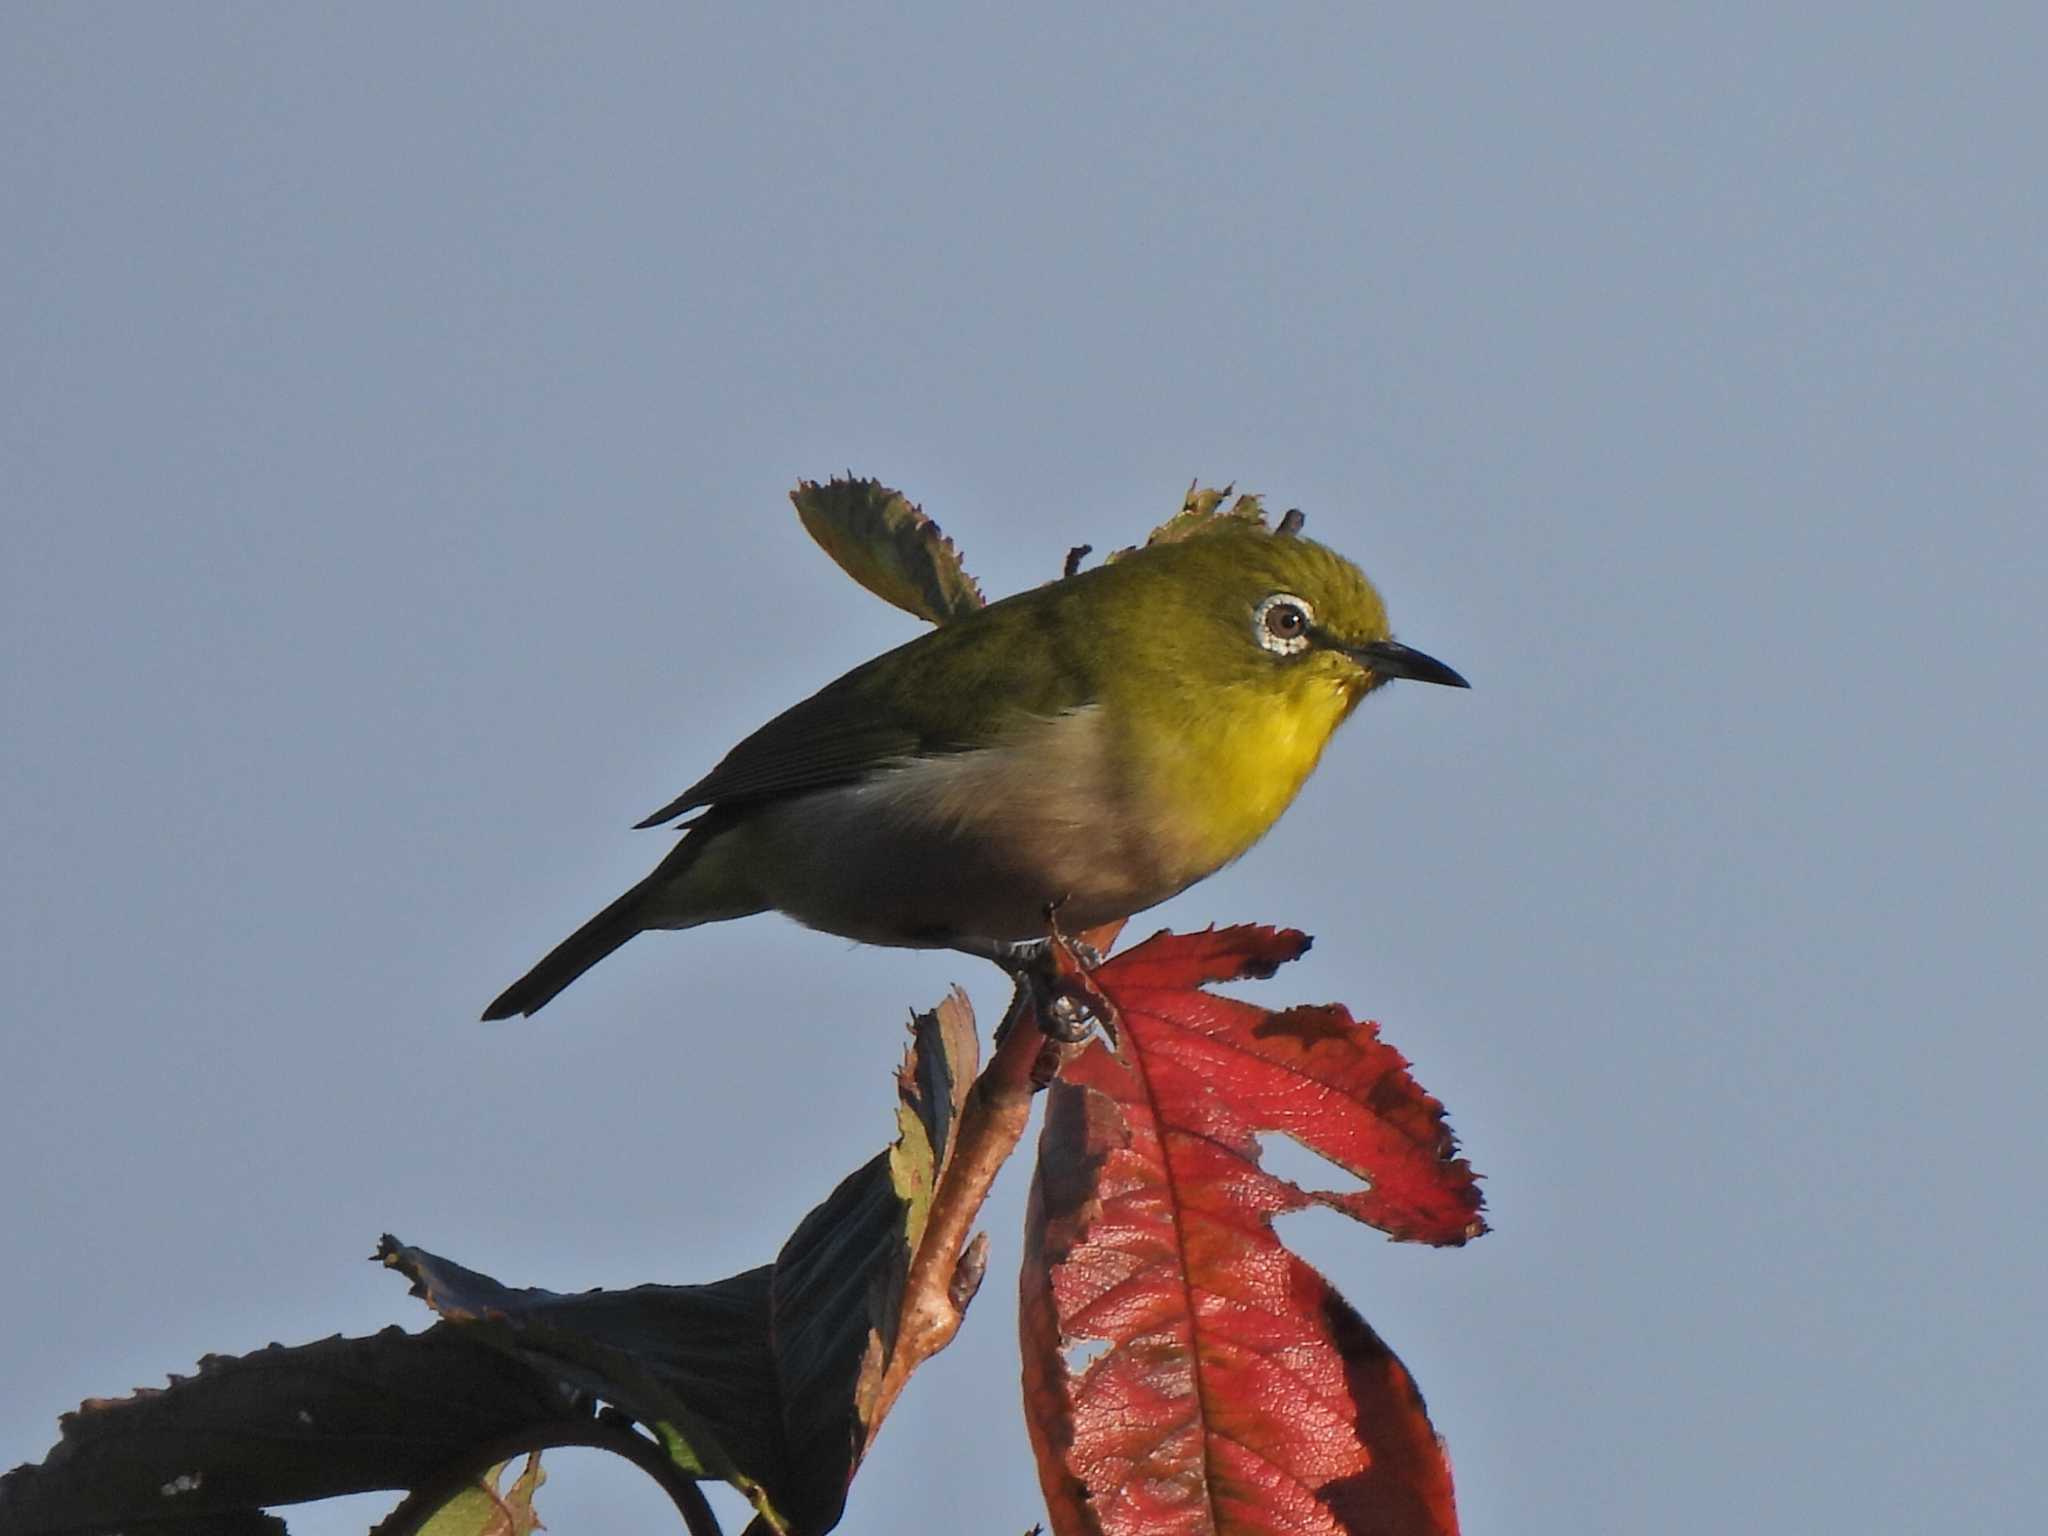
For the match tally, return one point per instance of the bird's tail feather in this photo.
(706, 878)
(575, 955)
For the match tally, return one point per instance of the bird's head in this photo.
(1272, 612)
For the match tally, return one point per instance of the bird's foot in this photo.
(1065, 1017)
(1033, 965)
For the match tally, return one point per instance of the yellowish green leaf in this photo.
(887, 544)
(483, 1509)
(931, 1087)
(1203, 510)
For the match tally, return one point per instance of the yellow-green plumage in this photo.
(1101, 743)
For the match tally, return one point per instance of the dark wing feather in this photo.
(832, 737)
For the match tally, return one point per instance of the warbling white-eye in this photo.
(1094, 746)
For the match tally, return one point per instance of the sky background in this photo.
(400, 405)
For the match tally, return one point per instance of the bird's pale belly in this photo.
(973, 846)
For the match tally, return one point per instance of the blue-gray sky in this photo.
(400, 406)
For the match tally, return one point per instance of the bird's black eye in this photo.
(1281, 623)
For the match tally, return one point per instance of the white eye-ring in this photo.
(1281, 623)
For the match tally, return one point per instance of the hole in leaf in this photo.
(1331, 1241)
(1080, 1354)
(1284, 1157)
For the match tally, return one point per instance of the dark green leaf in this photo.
(277, 1427)
(762, 1380)
(839, 1279)
(690, 1362)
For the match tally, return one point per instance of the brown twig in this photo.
(947, 1267)
(998, 1108)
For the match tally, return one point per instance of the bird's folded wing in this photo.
(960, 687)
(830, 738)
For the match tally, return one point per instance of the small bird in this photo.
(1092, 746)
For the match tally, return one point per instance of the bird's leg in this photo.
(1019, 955)
(1013, 955)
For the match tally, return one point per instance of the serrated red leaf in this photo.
(1237, 1391)
(1221, 1072)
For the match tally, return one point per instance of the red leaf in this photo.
(1222, 1071)
(1237, 1392)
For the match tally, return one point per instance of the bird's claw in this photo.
(1065, 1017)
(1064, 1014)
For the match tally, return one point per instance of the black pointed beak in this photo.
(1390, 658)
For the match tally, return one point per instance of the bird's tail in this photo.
(575, 954)
(706, 878)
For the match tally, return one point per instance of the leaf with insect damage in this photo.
(762, 1379)
(279, 1426)
(888, 545)
(1230, 1388)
